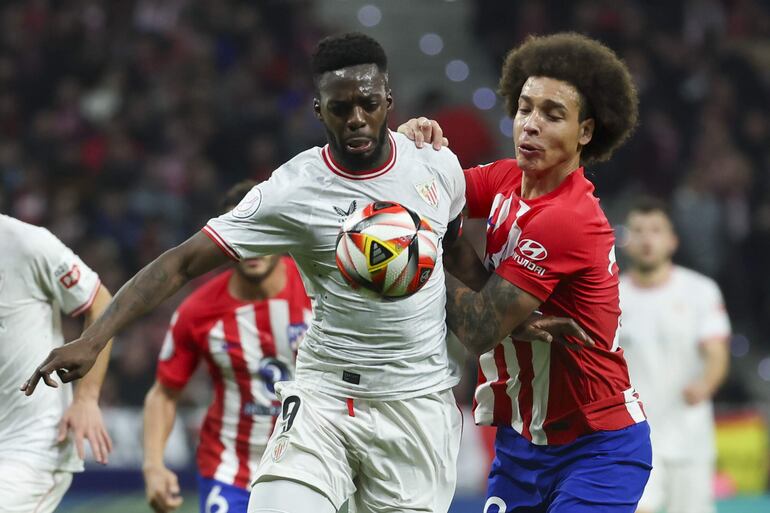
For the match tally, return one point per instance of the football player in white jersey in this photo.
(371, 415)
(675, 336)
(41, 437)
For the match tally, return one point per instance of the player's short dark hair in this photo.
(345, 50)
(608, 94)
(235, 194)
(649, 205)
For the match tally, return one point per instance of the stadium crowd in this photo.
(121, 125)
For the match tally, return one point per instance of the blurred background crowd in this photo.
(122, 123)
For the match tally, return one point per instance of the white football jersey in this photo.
(356, 346)
(662, 328)
(39, 278)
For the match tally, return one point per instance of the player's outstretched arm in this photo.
(161, 484)
(422, 130)
(148, 288)
(83, 418)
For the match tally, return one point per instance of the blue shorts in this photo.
(603, 472)
(219, 497)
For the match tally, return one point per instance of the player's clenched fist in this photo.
(70, 361)
(162, 489)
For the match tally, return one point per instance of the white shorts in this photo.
(26, 489)
(679, 487)
(386, 456)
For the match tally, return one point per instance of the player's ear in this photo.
(317, 109)
(389, 99)
(586, 131)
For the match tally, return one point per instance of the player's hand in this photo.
(70, 361)
(548, 328)
(696, 392)
(162, 488)
(84, 419)
(422, 130)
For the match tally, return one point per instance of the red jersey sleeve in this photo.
(481, 185)
(179, 355)
(551, 247)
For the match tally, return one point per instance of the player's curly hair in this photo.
(235, 194)
(607, 91)
(345, 50)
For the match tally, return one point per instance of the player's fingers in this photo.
(96, 446)
(173, 485)
(581, 334)
(407, 130)
(67, 375)
(78, 438)
(445, 141)
(61, 430)
(107, 440)
(541, 335)
(156, 503)
(174, 502)
(437, 135)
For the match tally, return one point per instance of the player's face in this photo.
(652, 241)
(548, 134)
(353, 105)
(256, 270)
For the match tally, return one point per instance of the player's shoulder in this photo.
(693, 280)
(26, 239)
(444, 158)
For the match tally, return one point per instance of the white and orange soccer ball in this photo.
(386, 250)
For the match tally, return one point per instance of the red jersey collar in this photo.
(572, 180)
(337, 169)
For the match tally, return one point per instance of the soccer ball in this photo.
(386, 250)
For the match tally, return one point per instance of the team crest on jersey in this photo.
(429, 192)
(350, 210)
(72, 278)
(249, 204)
(279, 449)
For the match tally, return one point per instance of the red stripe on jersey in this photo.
(212, 234)
(266, 336)
(502, 412)
(526, 375)
(243, 379)
(211, 446)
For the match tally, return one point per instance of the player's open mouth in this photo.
(528, 151)
(359, 145)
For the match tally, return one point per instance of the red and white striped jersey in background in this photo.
(247, 346)
(559, 247)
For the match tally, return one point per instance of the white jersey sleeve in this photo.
(712, 314)
(266, 221)
(61, 274)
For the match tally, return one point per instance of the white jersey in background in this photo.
(662, 329)
(355, 347)
(39, 278)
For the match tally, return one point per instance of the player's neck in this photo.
(536, 184)
(244, 289)
(651, 278)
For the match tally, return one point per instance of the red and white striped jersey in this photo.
(247, 346)
(559, 247)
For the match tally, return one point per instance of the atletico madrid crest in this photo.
(429, 192)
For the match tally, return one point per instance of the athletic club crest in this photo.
(429, 192)
(279, 449)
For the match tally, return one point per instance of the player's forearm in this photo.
(159, 415)
(716, 364)
(462, 262)
(90, 385)
(481, 320)
(157, 281)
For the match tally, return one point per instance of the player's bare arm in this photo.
(83, 418)
(481, 320)
(157, 281)
(161, 484)
(716, 363)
